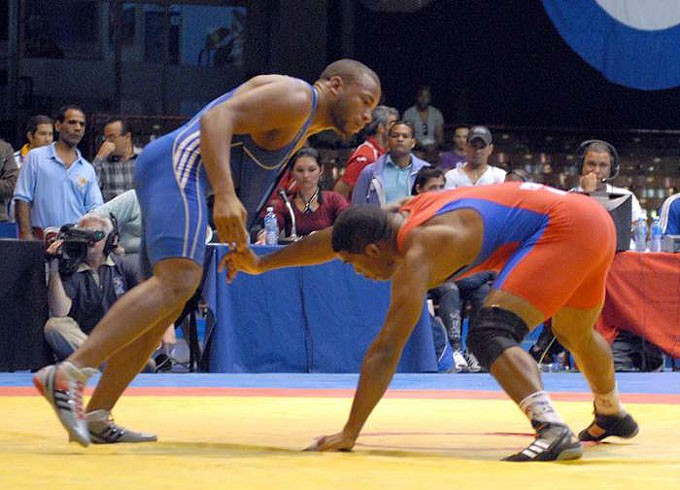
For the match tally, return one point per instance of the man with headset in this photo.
(85, 280)
(598, 165)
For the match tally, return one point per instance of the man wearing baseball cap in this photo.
(476, 170)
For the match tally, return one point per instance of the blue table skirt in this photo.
(318, 319)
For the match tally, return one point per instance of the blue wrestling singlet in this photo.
(172, 183)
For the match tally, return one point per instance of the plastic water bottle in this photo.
(655, 236)
(271, 227)
(641, 235)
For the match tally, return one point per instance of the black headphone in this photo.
(585, 146)
(113, 238)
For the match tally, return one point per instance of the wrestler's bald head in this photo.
(349, 70)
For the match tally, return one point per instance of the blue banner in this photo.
(635, 43)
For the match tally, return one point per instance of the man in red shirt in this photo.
(368, 151)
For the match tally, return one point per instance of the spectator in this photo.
(368, 151)
(428, 179)
(80, 291)
(670, 215)
(476, 170)
(517, 175)
(633, 353)
(598, 164)
(456, 157)
(446, 296)
(39, 132)
(314, 209)
(8, 177)
(125, 207)
(56, 184)
(427, 121)
(85, 279)
(392, 176)
(115, 161)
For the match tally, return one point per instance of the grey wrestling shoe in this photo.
(610, 425)
(472, 362)
(554, 442)
(62, 386)
(103, 430)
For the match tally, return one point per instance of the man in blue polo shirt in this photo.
(56, 184)
(391, 177)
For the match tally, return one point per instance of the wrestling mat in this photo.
(247, 431)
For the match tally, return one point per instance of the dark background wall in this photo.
(499, 62)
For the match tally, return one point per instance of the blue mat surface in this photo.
(663, 383)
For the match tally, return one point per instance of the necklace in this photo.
(308, 204)
(475, 174)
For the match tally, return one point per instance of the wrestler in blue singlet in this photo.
(172, 183)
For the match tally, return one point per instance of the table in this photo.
(302, 319)
(643, 297)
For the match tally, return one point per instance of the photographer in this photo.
(85, 279)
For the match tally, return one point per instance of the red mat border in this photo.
(348, 393)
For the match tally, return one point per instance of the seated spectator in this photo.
(456, 157)
(125, 207)
(548, 352)
(85, 280)
(39, 132)
(428, 179)
(393, 175)
(8, 178)
(476, 170)
(670, 215)
(314, 209)
(450, 296)
(368, 151)
(598, 165)
(633, 353)
(56, 184)
(427, 121)
(517, 175)
(116, 159)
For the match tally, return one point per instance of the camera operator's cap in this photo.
(479, 133)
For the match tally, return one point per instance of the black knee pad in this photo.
(495, 330)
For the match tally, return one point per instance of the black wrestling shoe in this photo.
(554, 442)
(610, 425)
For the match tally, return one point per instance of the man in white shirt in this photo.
(598, 165)
(476, 170)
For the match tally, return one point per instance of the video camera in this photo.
(75, 243)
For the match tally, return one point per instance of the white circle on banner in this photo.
(645, 15)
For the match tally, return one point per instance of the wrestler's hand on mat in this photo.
(229, 216)
(241, 260)
(337, 442)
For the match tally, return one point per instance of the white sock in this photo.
(538, 406)
(98, 416)
(608, 403)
